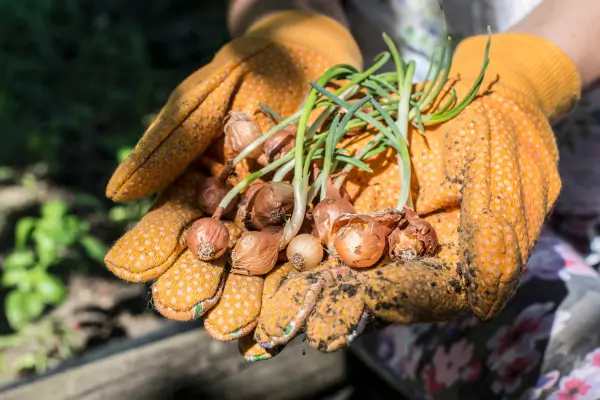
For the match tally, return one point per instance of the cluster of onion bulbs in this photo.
(249, 230)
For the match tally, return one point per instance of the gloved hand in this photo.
(271, 64)
(485, 180)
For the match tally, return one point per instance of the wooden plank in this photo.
(190, 363)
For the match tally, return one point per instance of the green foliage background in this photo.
(78, 77)
(79, 82)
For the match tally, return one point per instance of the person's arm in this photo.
(241, 14)
(573, 26)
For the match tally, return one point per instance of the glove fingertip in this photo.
(196, 311)
(221, 333)
(189, 288)
(252, 351)
(132, 276)
(238, 309)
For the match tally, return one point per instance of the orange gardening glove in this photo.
(271, 64)
(485, 180)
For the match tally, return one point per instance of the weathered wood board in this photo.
(189, 363)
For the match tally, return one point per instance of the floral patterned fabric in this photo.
(545, 344)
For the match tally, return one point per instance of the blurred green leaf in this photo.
(117, 214)
(6, 173)
(29, 180)
(55, 231)
(54, 210)
(45, 248)
(89, 200)
(72, 228)
(16, 277)
(21, 308)
(123, 153)
(22, 231)
(94, 248)
(41, 361)
(50, 288)
(7, 341)
(144, 206)
(19, 259)
(27, 361)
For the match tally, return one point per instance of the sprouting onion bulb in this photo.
(240, 132)
(360, 240)
(324, 214)
(255, 253)
(280, 143)
(210, 193)
(305, 252)
(272, 205)
(207, 239)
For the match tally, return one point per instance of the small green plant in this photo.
(42, 243)
(42, 341)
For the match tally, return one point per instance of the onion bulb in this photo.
(274, 230)
(272, 205)
(210, 193)
(245, 204)
(241, 132)
(305, 252)
(207, 239)
(404, 244)
(234, 233)
(413, 238)
(255, 253)
(324, 214)
(277, 231)
(333, 191)
(359, 240)
(280, 144)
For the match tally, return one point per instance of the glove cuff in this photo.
(524, 63)
(313, 31)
